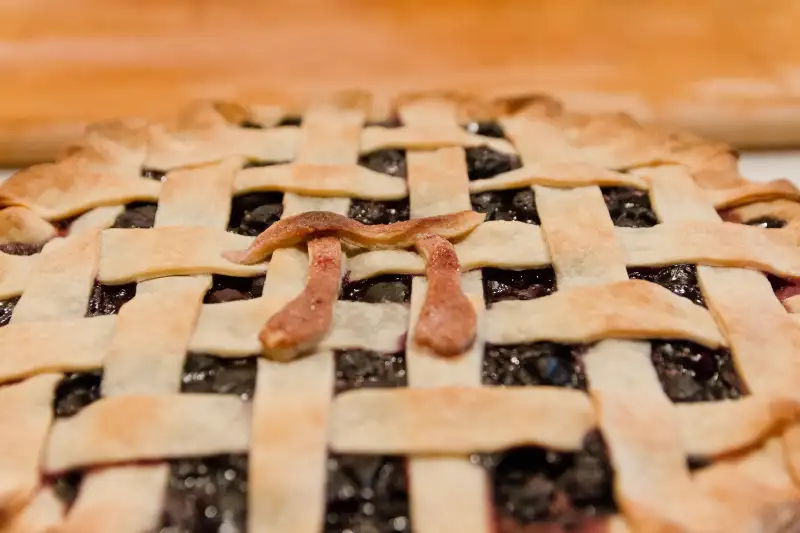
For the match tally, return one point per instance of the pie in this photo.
(456, 315)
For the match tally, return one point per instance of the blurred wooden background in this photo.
(726, 68)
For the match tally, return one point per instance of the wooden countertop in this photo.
(726, 69)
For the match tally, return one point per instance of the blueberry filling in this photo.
(290, 120)
(484, 162)
(538, 363)
(629, 208)
(389, 123)
(18, 248)
(203, 373)
(390, 288)
(784, 288)
(367, 493)
(254, 212)
(766, 222)
(137, 215)
(499, 284)
(153, 174)
(206, 495)
(366, 368)
(680, 279)
(75, 391)
(536, 485)
(109, 299)
(387, 212)
(692, 373)
(697, 462)
(388, 161)
(230, 289)
(255, 163)
(66, 486)
(6, 309)
(249, 124)
(486, 128)
(512, 204)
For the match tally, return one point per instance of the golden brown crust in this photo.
(447, 321)
(303, 322)
(293, 230)
(565, 157)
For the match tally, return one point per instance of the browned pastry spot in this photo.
(307, 318)
(447, 319)
(295, 229)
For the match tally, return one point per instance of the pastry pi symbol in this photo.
(447, 320)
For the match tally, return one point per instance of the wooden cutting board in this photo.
(724, 68)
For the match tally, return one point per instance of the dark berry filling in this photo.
(259, 163)
(290, 120)
(366, 368)
(766, 222)
(6, 309)
(629, 208)
(486, 128)
(680, 279)
(137, 215)
(484, 162)
(499, 284)
(230, 289)
(367, 493)
(388, 161)
(513, 204)
(153, 174)
(75, 391)
(254, 212)
(18, 248)
(109, 299)
(697, 462)
(538, 363)
(387, 212)
(66, 486)
(390, 123)
(537, 485)
(203, 373)
(692, 373)
(784, 288)
(394, 288)
(206, 495)
(249, 124)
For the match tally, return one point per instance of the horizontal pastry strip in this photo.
(517, 245)
(168, 151)
(557, 174)
(711, 244)
(321, 180)
(61, 346)
(136, 428)
(421, 138)
(593, 313)
(407, 421)
(231, 329)
(498, 244)
(753, 192)
(138, 254)
(73, 185)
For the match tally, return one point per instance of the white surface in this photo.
(757, 166)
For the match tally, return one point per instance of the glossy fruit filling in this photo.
(137, 215)
(629, 208)
(535, 364)
(230, 289)
(254, 212)
(484, 162)
(512, 205)
(385, 212)
(500, 284)
(679, 279)
(568, 491)
(389, 288)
